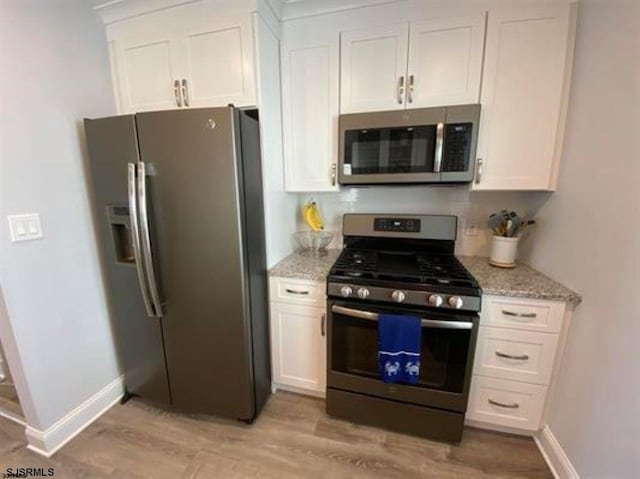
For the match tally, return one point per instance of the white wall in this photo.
(55, 71)
(589, 239)
(470, 207)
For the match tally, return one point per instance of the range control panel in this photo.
(397, 225)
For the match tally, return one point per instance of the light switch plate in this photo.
(25, 227)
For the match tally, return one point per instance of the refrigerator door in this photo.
(194, 197)
(112, 149)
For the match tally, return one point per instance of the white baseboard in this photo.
(12, 417)
(48, 442)
(555, 456)
(294, 389)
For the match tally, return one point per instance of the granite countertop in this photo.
(303, 266)
(521, 281)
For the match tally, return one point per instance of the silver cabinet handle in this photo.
(176, 92)
(410, 93)
(515, 405)
(518, 315)
(400, 92)
(323, 325)
(428, 323)
(135, 233)
(334, 172)
(437, 162)
(293, 291)
(146, 240)
(522, 357)
(185, 92)
(479, 170)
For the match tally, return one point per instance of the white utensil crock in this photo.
(503, 252)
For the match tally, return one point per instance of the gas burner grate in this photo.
(430, 269)
(357, 263)
(445, 270)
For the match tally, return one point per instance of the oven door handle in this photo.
(428, 323)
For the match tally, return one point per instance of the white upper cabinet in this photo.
(412, 65)
(445, 61)
(187, 56)
(310, 65)
(218, 63)
(373, 68)
(146, 69)
(525, 70)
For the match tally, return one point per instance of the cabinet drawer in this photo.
(297, 291)
(506, 403)
(518, 355)
(522, 313)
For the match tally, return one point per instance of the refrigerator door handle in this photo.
(135, 233)
(146, 240)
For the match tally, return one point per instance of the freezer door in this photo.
(194, 195)
(112, 147)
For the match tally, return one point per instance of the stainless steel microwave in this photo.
(423, 145)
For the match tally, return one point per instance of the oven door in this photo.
(391, 147)
(446, 355)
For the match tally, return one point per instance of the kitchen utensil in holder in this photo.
(503, 252)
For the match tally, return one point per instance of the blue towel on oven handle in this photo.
(399, 338)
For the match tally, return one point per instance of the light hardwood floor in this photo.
(9, 400)
(293, 437)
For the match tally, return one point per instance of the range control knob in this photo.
(455, 302)
(434, 300)
(363, 293)
(398, 296)
(346, 291)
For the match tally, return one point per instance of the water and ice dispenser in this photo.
(121, 233)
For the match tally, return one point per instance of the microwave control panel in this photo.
(397, 225)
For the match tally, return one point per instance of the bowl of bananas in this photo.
(315, 241)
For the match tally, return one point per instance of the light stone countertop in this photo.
(521, 281)
(303, 266)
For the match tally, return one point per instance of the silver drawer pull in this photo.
(515, 405)
(518, 315)
(293, 291)
(523, 357)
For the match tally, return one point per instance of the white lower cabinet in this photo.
(506, 403)
(515, 359)
(298, 339)
(518, 355)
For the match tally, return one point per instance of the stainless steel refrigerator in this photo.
(178, 200)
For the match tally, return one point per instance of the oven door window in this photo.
(390, 150)
(443, 353)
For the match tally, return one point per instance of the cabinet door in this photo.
(147, 69)
(298, 346)
(218, 62)
(522, 91)
(373, 68)
(445, 61)
(310, 111)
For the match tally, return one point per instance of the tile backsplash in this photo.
(472, 208)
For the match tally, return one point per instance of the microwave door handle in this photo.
(437, 162)
(146, 240)
(429, 323)
(135, 237)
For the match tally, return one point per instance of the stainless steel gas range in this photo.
(401, 264)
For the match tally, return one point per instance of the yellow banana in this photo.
(315, 215)
(312, 216)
